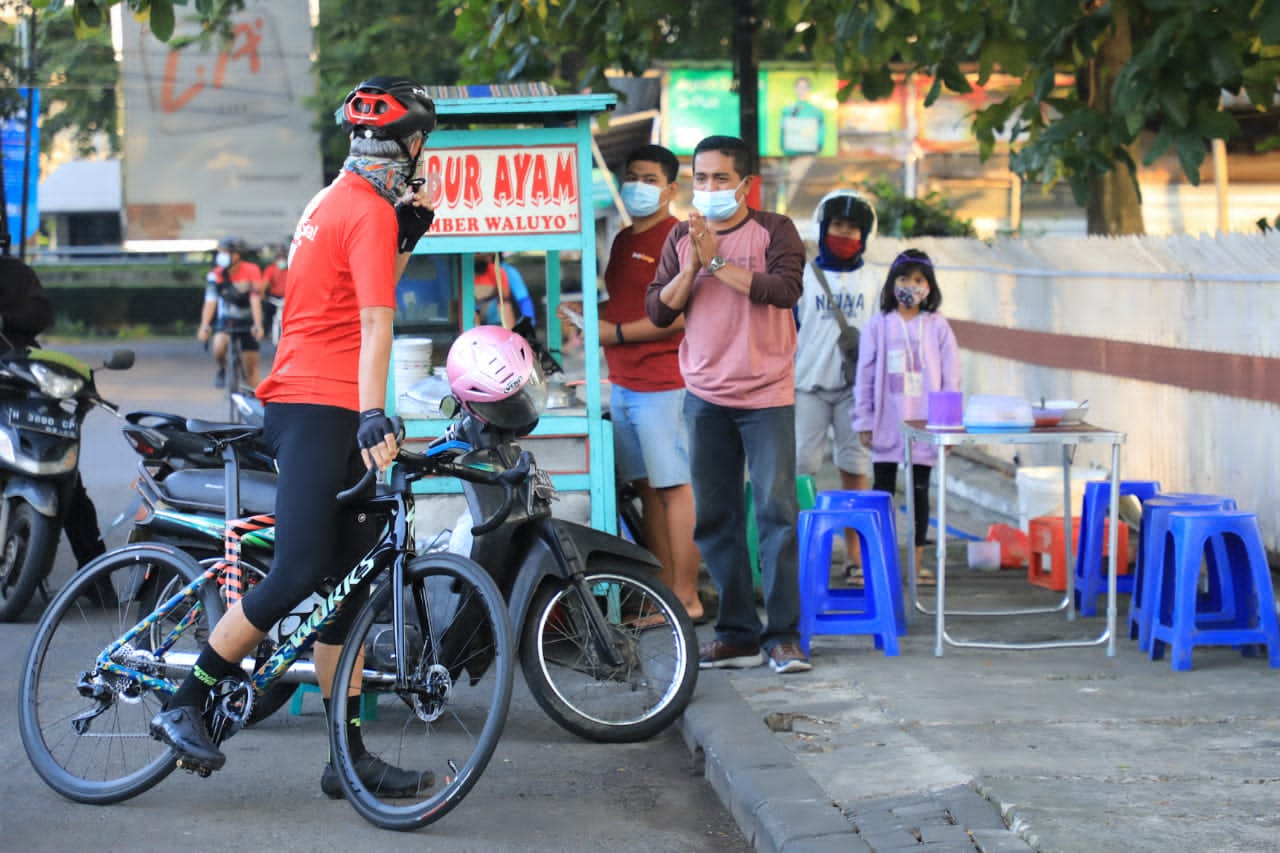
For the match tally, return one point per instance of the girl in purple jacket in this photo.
(908, 349)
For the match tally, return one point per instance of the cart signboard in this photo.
(527, 189)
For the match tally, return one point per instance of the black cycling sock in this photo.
(209, 669)
(354, 739)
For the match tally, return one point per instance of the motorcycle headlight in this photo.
(54, 382)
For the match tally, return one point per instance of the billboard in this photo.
(217, 138)
(13, 142)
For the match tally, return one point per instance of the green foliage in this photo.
(899, 215)
(1140, 64)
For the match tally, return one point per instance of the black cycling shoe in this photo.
(380, 777)
(183, 729)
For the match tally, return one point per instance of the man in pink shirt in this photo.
(735, 274)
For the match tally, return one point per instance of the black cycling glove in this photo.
(375, 426)
(414, 222)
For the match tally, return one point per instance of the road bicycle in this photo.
(435, 634)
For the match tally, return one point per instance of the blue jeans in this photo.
(722, 440)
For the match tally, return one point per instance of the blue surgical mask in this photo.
(717, 205)
(222, 259)
(641, 199)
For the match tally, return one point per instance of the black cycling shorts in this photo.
(315, 449)
(248, 343)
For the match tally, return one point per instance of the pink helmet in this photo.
(493, 374)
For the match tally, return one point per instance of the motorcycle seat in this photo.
(204, 490)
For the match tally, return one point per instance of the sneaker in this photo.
(379, 777)
(718, 654)
(183, 729)
(220, 378)
(100, 594)
(787, 657)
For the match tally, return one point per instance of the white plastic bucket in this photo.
(410, 361)
(1040, 491)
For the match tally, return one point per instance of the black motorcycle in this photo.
(44, 398)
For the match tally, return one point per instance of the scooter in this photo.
(44, 398)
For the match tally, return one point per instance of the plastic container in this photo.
(946, 410)
(410, 361)
(996, 413)
(1040, 491)
(984, 556)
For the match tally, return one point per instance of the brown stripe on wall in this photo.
(1251, 377)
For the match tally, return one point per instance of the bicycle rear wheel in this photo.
(86, 731)
(460, 667)
(649, 632)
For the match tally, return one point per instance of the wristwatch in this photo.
(716, 264)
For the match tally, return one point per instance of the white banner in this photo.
(217, 139)
(530, 189)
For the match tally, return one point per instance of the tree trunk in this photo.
(1114, 206)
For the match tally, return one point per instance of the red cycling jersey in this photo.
(343, 259)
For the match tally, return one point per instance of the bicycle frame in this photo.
(392, 547)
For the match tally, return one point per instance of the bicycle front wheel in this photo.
(85, 730)
(654, 669)
(458, 667)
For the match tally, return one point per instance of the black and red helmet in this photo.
(388, 108)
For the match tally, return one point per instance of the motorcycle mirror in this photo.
(121, 359)
(448, 405)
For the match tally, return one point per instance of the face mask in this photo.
(844, 248)
(641, 199)
(280, 263)
(910, 296)
(222, 259)
(717, 205)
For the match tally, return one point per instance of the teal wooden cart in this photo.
(515, 176)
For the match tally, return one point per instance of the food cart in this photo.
(514, 175)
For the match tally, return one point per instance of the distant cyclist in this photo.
(233, 306)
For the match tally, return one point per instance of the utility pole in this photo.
(747, 73)
(30, 50)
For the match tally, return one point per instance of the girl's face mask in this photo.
(910, 295)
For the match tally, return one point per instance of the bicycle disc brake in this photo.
(431, 691)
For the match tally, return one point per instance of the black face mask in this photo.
(480, 266)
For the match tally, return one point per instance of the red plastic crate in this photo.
(1048, 564)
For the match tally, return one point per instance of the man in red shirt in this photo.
(324, 420)
(651, 446)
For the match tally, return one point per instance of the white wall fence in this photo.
(1173, 340)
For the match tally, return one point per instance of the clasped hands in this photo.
(703, 240)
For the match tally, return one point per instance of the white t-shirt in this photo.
(817, 355)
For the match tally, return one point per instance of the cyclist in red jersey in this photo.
(324, 418)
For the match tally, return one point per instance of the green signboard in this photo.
(797, 110)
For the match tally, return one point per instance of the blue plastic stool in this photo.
(1177, 620)
(882, 503)
(1151, 547)
(872, 610)
(1091, 572)
(368, 702)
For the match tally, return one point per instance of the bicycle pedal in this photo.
(201, 770)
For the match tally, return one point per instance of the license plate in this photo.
(40, 420)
